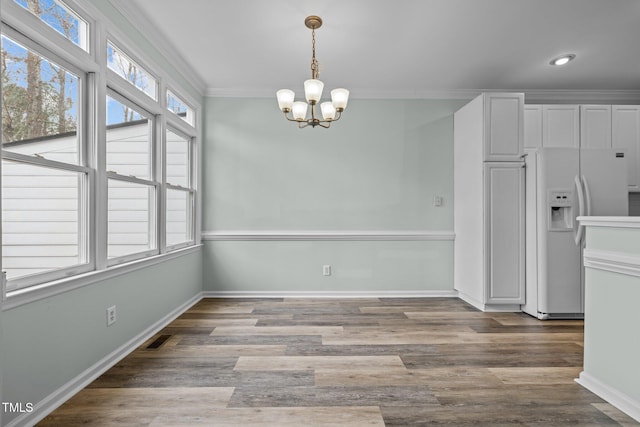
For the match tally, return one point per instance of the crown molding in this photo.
(355, 93)
(532, 96)
(128, 8)
(539, 96)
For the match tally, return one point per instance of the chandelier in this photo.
(331, 110)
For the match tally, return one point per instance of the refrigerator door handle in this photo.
(580, 229)
(587, 194)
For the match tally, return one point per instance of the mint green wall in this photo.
(612, 347)
(51, 341)
(296, 266)
(614, 239)
(377, 169)
(1, 359)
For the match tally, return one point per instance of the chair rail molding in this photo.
(326, 235)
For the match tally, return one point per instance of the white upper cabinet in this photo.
(587, 126)
(561, 125)
(626, 140)
(595, 126)
(503, 126)
(532, 126)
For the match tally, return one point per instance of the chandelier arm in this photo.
(286, 116)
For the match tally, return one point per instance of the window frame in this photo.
(84, 42)
(190, 189)
(152, 118)
(98, 80)
(152, 181)
(25, 23)
(86, 208)
(170, 90)
(83, 86)
(113, 41)
(153, 221)
(85, 224)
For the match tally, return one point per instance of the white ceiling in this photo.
(402, 47)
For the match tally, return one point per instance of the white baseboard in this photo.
(615, 397)
(57, 398)
(474, 302)
(331, 294)
(489, 308)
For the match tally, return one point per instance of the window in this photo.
(128, 140)
(179, 191)
(44, 228)
(75, 201)
(126, 68)
(178, 159)
(40, 101)
(61, 18)
(132, 194)
(180, 108)
(131, 218)
(45, 211)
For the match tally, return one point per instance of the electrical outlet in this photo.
(111, 315)
(326, 270)
(437, 201)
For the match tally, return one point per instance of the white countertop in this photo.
(610, 221)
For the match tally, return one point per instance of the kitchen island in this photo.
(612, 316)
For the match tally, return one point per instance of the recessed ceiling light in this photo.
(562, 60)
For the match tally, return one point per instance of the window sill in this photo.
(34, 293)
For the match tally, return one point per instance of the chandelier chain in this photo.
(314, 62)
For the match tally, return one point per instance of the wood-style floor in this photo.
(359, 362)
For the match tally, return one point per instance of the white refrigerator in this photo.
(562, 184)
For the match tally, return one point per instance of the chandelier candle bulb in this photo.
(285, 99)
(328, 111)
(313, 90)
(299, 110)
(340, 97)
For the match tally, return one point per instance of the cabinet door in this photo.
(626, 140)
(532, 126)
(560, 126)
(504, 231)
(504, 126)
(595, 126)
